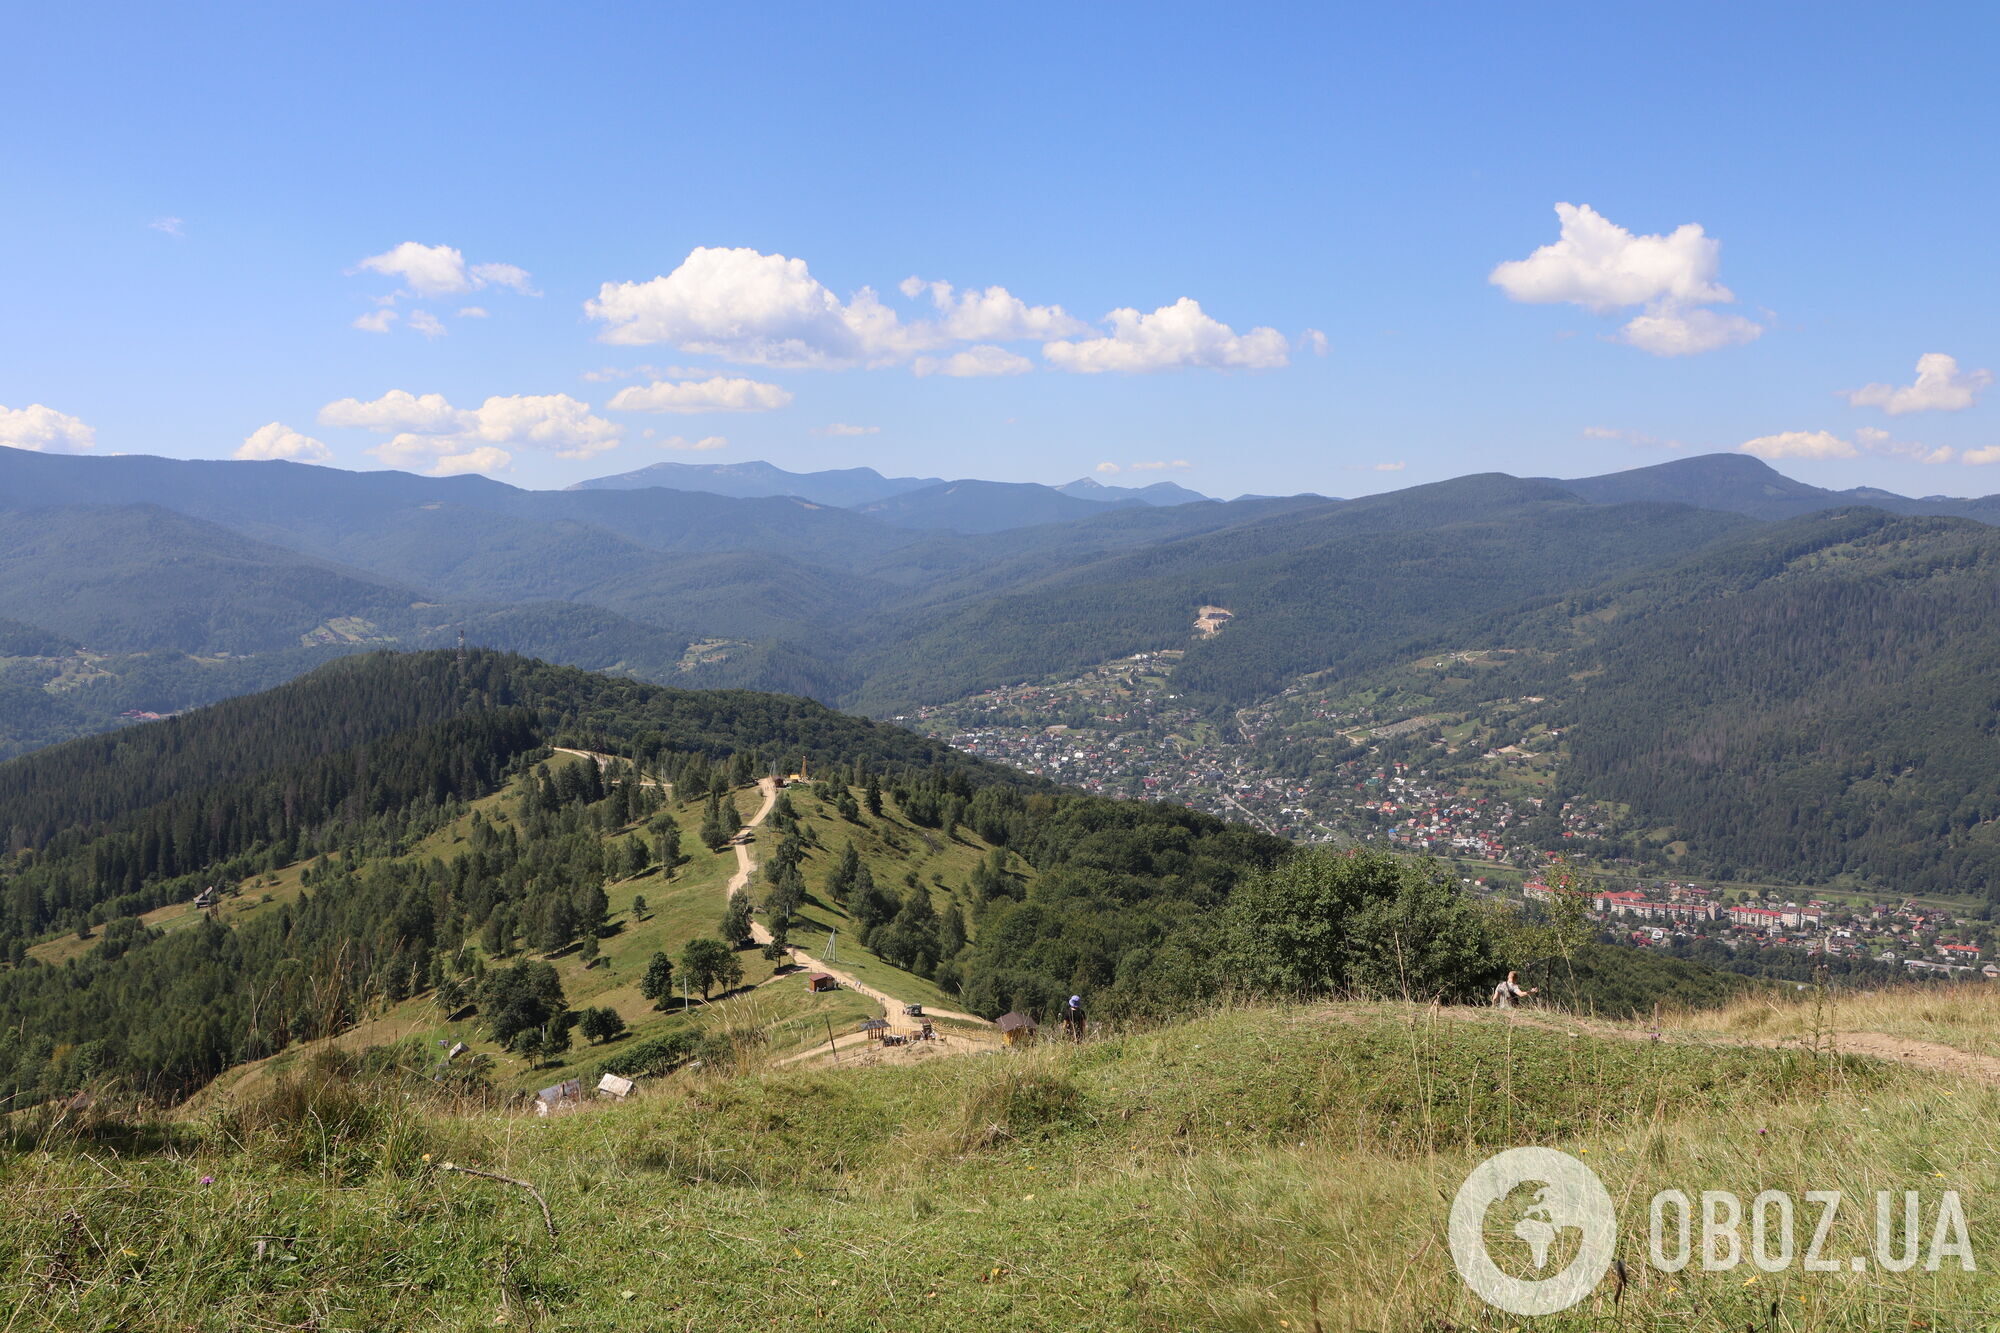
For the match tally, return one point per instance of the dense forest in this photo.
(341, 775)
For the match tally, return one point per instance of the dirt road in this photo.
(746, 866)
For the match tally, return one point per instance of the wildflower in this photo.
(206, 1180)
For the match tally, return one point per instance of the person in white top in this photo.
(1510, 990)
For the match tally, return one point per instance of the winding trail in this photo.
(892, 1008)
(1930, 1056)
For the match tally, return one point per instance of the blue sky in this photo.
(193, 195)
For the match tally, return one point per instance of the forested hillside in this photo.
(400, 829)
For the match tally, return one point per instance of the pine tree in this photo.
(658, 983)
(736, 921)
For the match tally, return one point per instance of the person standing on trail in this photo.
(1073, 1018)
(1509, 990)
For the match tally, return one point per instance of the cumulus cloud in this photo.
(751, 308)
(1981, 456)
(1314, 341)
(432, 271)
(485, 458)
(1940, 387)
(173, 227)
(1601, 266)
(1173, 337)
(991, 315)
(1878, 441)
(280, 441)
(767, 309)
(1817, 444)
(842, 428)
(1669, 330)
(718, 393)
(682, 444)
(974, 363)
(430, 431)
(44, 430)
(397, 409)
(441, 270)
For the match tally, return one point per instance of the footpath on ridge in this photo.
(892, 1008)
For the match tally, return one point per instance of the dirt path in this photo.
(604, 762)
(1934, 1057)
(892, 1008)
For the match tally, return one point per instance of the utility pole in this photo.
(832, 952)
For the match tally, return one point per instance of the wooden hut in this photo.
(821, 981)
(1017, 1029)
(877, 1028)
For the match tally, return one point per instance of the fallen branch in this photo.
(548, 1218)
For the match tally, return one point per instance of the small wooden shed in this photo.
(821, 981)
(1017, 1029)
(875, 1027)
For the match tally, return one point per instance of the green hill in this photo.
(1254, 1169)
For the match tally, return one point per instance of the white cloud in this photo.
(992, 315)
(397, 409)
(485, 458)
(757, 309)
(280, 441)
(511, 276)
(1982, 456)
(1313, 340)
(974, 363)
(436, 270)
(842, 428)
(718, 393)
(1109, 469)
(752, 308)
(45, 430)
(1161, 465)
(1940, 387)
(1816, 444)
(1172, 337)
(1599, 265)
(1878, 441)
(1396, 466)
(682, 444)
(1670, 330)
(173, 227)
(430, 429)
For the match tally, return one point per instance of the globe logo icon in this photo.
(1568, 1203)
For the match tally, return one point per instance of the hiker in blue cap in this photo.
(1073, 1018)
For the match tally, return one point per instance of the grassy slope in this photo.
(688, 903)
(1250, 1170)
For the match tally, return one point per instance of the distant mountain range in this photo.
(929, 503)
(136, 584)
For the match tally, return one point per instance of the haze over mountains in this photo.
(930, 503)
(137, 584)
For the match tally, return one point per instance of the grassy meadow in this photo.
(1255, 1168)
